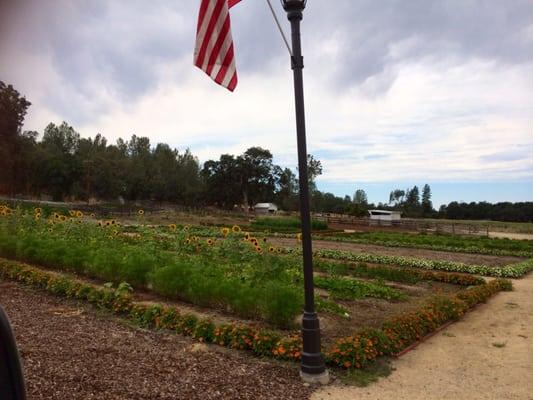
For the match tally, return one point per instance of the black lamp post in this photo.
(313, 368)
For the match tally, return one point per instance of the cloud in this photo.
(394, 90)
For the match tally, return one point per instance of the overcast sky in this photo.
(397, 92)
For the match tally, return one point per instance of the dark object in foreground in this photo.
(11, 376)
(313, 366)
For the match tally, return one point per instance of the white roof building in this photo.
(385, 215)
(265, 208)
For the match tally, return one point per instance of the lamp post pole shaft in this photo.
(312, 359)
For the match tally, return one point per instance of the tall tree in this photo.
(427, 206)
(360, 197)
(13, 108)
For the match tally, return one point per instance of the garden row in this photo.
(354, 351)
(516, 270)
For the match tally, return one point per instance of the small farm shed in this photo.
(384, 215)
(265, 208)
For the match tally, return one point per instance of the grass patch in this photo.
(365, 376)
(350, 289)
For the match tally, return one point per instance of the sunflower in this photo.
(172, 227)
(210, 242)
(72, 213)
(115, 232)
(99, 223)
(37, 216)
(79, 214)
(236, 228)
(92, 215)
(271, 249)
(57, 216)
(278, 250)
(113, 222)
(38, 210)
(264, 239)
(63, 218)
(258, 249)
(225, 231)
(246, 236)
(107, 223)
(188, 241)
(140, 212)
(50, 230)
(186, 227)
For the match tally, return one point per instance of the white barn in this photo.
(384, 215)
(265, 208)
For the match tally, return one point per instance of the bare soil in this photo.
(70, 351)
(370, 312)
(406, 252)
(488, 354)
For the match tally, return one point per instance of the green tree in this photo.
(60, 168)
(360, 197)
(427, 206)
(13, 108)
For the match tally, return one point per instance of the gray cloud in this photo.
(120, 44)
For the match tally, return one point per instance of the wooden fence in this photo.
(411, 225)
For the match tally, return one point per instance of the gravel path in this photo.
(486, 355)
(406, 252)
(74, 352)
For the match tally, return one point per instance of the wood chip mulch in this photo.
(72, 351)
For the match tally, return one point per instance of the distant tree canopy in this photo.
(66, 166)
(505, 211)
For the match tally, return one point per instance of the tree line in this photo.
(61, 164)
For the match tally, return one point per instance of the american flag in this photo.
(213, 52)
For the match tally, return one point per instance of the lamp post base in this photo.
(313, 379)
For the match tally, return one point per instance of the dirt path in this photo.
(406, 252)
(73, 352)
(462, 362)
(511, 235)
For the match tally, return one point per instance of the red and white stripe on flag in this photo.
(213, 52)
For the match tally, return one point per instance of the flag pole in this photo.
(313, 368)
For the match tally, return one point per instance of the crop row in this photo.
(387, 272)
(507, 271)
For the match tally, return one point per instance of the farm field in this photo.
(242, 290)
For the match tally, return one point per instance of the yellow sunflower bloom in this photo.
(225, 231)
(140, 212)
(271, 249)
(79, 214)
(236, 228)
(172, 227)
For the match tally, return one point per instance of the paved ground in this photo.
(72, 352)
(486, 355)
